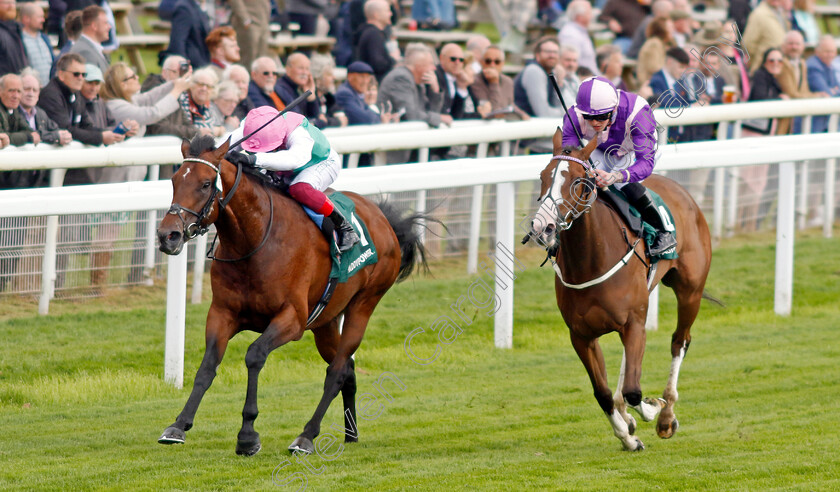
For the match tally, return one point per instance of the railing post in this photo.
(785, 225)
(176, 307)
(503, 322)
(198, 268)
(50, 250)
(802, 208)
(734, 174)
(829, 191)
(151, 239)
(475, 217)
(720, 187)
(652, 321)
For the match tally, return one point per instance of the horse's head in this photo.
(196, 190)
(567, 189)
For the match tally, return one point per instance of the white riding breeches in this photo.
(321, 175)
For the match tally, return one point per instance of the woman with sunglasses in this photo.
(625, 128)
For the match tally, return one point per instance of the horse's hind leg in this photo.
(220, 328)
(326, 339)
(593, 360)
(285, 327)
(340, 371)
(688, 307)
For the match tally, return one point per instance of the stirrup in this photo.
(662, 243)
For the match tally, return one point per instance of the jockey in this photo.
(297, 150)
(626, 130)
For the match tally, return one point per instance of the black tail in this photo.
(713, 299)
(406, 227)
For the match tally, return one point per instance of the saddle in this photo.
(616, 200)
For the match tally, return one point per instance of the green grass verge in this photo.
(82, 400)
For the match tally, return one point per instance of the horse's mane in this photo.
(201, 143)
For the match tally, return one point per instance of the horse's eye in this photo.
(206, 185)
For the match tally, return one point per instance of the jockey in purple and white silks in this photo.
(624, 125)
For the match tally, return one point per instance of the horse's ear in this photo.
(557, 140)
(185, 147)
(587, 151)
(222, 150)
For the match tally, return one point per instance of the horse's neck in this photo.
(588, 245)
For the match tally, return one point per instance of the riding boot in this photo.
(347, 236)
(651, 214)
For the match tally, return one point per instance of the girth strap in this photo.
(322, 303)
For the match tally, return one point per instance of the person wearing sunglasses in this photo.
(454, 79)
(492, 88)
(625, 128)
(62, 101)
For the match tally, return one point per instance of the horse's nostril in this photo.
(173, 236)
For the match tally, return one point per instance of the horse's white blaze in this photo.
(622, 431)
(547, 211)
(670, 392)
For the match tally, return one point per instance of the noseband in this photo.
(573, 212)
(196, 228)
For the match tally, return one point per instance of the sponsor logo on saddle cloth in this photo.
(632, 218)
(357, 257)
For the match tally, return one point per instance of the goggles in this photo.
(598, 117)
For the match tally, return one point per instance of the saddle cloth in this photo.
(616, 199)
(362, 254)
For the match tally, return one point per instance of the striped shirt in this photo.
(40, 56)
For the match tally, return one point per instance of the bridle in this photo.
(572, 212)
(197, 228)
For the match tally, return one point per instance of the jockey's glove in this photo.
(603, 178)
(241, 159)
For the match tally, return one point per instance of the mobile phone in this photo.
(184, 68)
(121, 129)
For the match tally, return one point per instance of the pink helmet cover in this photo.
(272, 136)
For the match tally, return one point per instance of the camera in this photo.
(185, 67)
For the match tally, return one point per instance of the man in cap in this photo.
(351, 96)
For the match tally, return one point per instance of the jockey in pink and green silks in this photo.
(295, 148)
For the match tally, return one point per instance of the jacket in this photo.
(357, 112)
(188, 39)
(369, 47)
(13, 124)
(145, 107)
(419, 103)
(288, 91)
(46, 127)
(176, 123)
(13, 58)
(90, 52)
(765, 29)
(66, 108)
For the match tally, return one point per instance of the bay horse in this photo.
(591, 239)
(271, 270)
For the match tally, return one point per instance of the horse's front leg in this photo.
(590, 354)
(618, 397)
(221, 326)
(285, 327)
(634, 338)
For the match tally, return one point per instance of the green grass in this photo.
(82, 400)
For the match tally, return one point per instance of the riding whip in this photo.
(281, 113)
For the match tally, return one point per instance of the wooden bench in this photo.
(284, 44)
(435, 38)
(135, 42)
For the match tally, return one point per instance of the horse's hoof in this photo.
(172, 435)
(666, 430)
(639, 446)
(350, 439)
(248, 448)
(302, 445)
(631, 425)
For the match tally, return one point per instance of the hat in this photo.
(596, 95)
(709, 34)
(93, 73)
(270, 137)
(679, 14)
(359, 67)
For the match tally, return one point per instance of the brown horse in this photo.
(276, 271)
(592, 242)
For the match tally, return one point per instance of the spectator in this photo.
(12, 123)
(297, 80)
(738, 12)
(187, 39)
(195, 102)
(250, 21)
(72, 31)
(576, 33)
(494, 87)
(223, 48)
(568, 72)
(261, 89)
(176, 123)
(239, 76)
(227, 97)
(322, 67)
(434, 15)
(805, 21)
(821, 77)
(121, 92)
(660, 9)
(670, 91)
(305, 13)
(623, 17)
(36, 117)
(11, 40)
(660, 37)
(682, 27)
(95, 29)
(793, 78)
(369, 41)
(413, 87)
(738, 71)
(454, 80)
(351, 96)
(766, 28)
(63, 104)
(532, 90)
(36, 44)
(611, 64)
(477, 44)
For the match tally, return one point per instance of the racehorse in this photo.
(271, 270)
(591, 239)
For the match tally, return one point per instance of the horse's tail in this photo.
(407, 228)
(713, 299)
